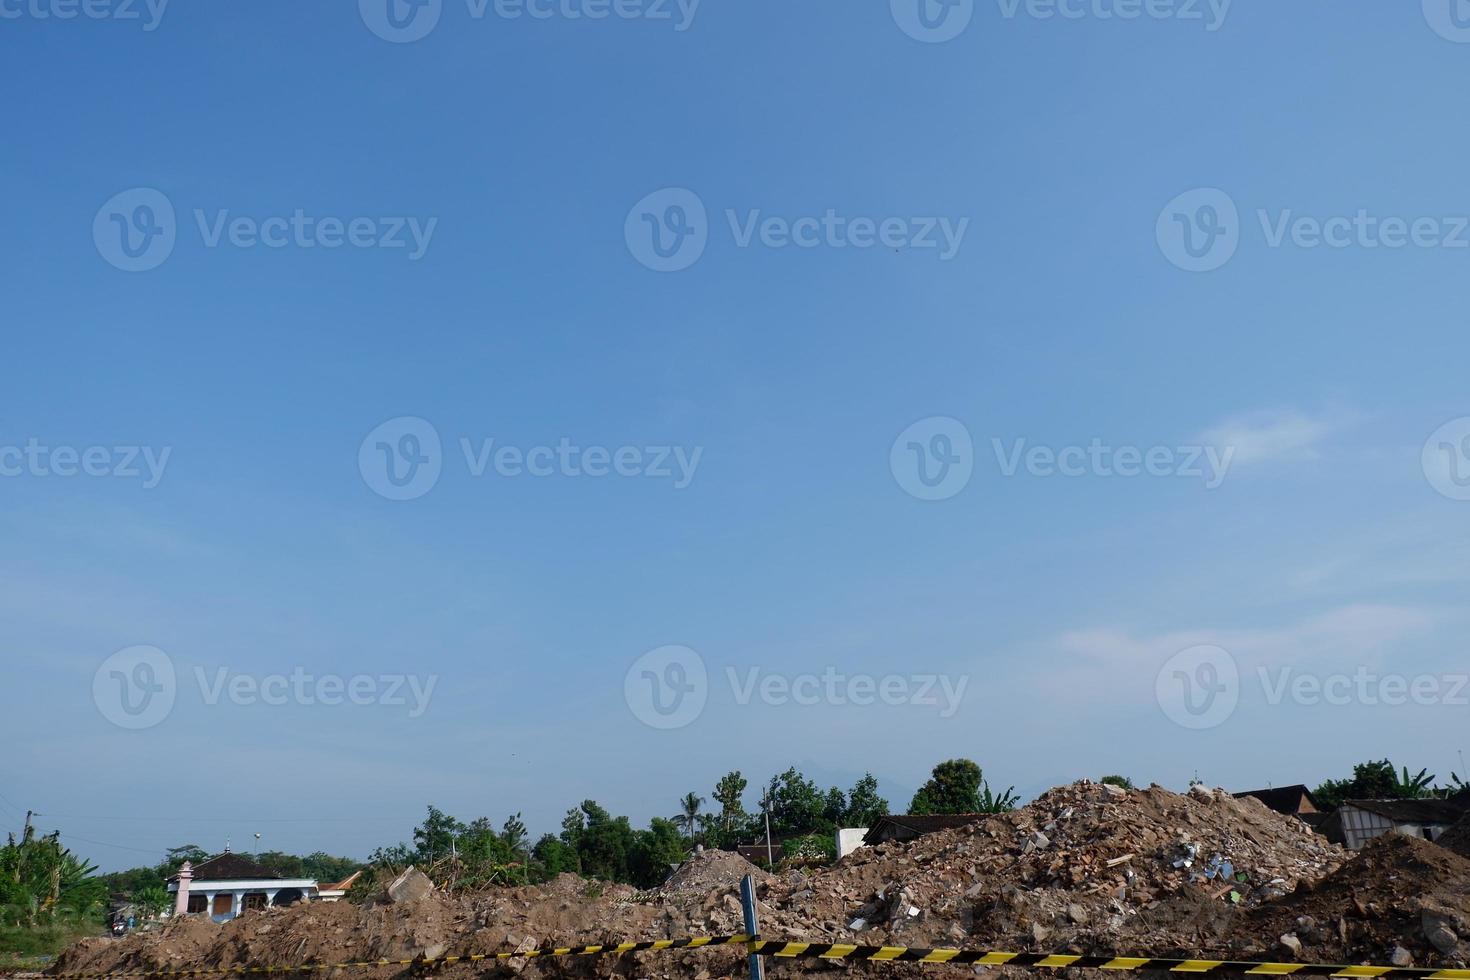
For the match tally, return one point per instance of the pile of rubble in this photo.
(1457, 838)
(1402, 900)
(1086, 868)
(1078, 870)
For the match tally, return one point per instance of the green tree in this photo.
(834, 806)
(864, 806)
(1373, 780)
(1122, 782)
(654, 852)
(959, 786)
(152, 901)
(514, 833)
(729, 794)
(794, 803)
(174, 857)
(688, 817)
(555, 856)
(437, 836)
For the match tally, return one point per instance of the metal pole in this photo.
(770, 857)
(752, 927)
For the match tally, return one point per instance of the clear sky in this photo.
(276, 274)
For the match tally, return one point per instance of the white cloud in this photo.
(1123, 663)
(1268, 436)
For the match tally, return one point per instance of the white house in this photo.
(227, 885)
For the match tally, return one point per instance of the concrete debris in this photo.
(1085, 868)
(411, 886)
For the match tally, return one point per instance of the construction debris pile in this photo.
(1079, 870)
(1086, 868)
(1457, 838)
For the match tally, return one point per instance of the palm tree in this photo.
(688, 817)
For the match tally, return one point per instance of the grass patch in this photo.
(22, 947)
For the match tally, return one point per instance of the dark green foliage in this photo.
(958, 786)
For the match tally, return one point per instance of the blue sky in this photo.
(1062, 153)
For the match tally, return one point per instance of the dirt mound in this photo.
(1457, 838)
(1401, 899)
(1084, 868)
(710, 871)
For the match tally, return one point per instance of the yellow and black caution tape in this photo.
(846, 951)
(1058, 961)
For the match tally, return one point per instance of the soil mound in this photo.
(711, 871)
(1086, 868)
(1457, 838)
(1082, 869)
(1401, 900)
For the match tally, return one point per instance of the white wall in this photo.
(850, 839)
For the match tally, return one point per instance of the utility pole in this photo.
(770, 856)
(25, 833)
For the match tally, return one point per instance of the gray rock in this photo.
(1292, 944)
(410, 886)
(1401, 957)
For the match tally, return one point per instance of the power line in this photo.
(103, 843)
